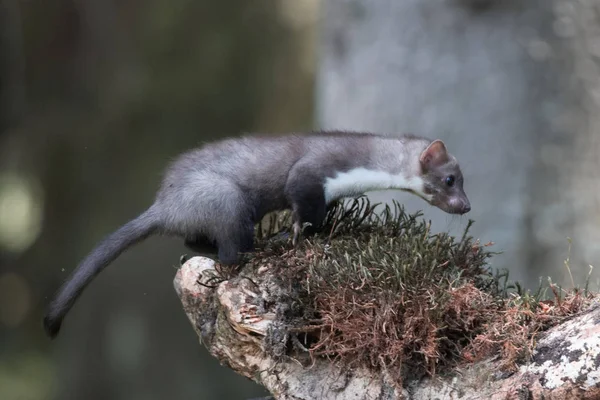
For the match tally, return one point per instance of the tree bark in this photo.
(236, 320)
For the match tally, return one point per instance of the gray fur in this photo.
(215, 194)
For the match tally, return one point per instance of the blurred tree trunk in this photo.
(511, 86)
(581, 183)
(12, 65)
(116, 89)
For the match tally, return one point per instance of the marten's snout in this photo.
(466, 205)
(458, 205)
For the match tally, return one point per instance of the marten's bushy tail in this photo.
(106, 252)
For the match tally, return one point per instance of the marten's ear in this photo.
(434, 155)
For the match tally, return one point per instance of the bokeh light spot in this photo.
(20, 212)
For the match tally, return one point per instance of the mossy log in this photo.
(375, 306)
(236, 321)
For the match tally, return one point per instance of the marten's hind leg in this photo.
(201, 244)
(234, 231)
(232, 242)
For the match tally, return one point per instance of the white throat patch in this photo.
(361, 180)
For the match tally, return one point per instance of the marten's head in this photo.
(443, 179)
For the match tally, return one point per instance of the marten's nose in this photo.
(466, 208)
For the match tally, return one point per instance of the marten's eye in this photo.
(450, 180)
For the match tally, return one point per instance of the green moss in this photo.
(378, 289)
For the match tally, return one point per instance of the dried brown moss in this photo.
(379, 289)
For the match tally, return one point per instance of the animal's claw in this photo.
(297, 230)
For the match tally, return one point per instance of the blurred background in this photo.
(96, 96)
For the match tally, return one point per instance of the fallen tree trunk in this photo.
(236, 321)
